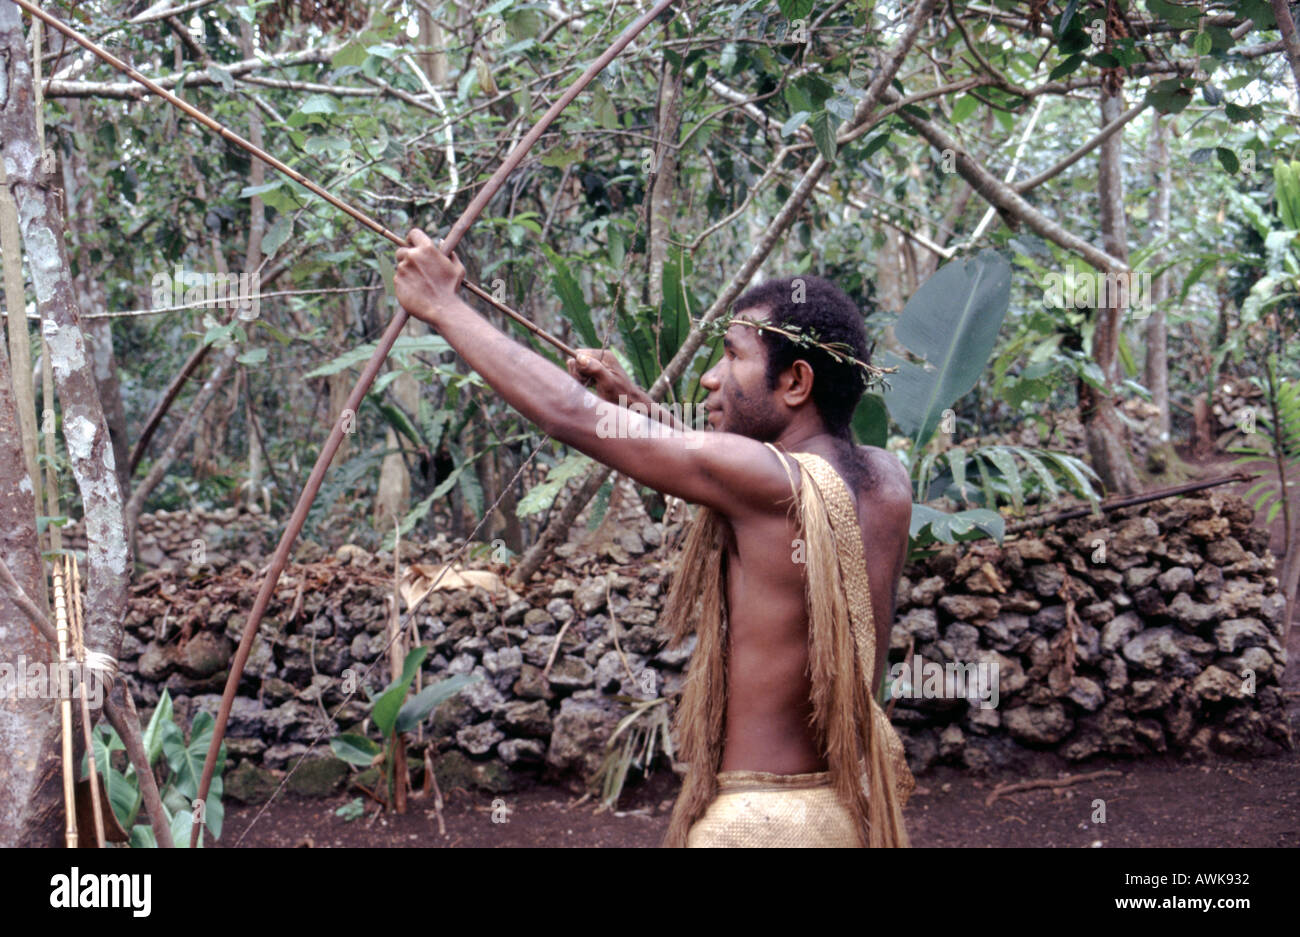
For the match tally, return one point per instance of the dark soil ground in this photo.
(1151, 802)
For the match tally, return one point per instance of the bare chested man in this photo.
(764, 390)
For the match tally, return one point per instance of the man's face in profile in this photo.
(739, 400)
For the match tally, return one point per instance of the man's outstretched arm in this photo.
(731, 473)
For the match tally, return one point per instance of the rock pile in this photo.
(1154, 629)
(1237, 403)
(182, 538)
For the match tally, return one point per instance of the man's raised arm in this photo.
(731, 473)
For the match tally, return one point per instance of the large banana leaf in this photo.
(952, 322)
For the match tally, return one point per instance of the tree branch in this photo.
(1033, 182)
(1005, 198)
(1290, 42)
(129, 90)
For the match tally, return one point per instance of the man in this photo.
(777, 722)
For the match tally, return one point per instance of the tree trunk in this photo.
(1107, 436)
(31, 789)
(1157, 362)
(663, 176)
(225, 362)
(85, 430)
(434, 62)
(92, 298)
(20, 349)
(1290, 41)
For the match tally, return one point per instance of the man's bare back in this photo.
(768, 685)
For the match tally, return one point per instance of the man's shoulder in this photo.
(890, 482)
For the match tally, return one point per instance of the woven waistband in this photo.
(731, 781)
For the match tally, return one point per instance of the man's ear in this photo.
(797, 383)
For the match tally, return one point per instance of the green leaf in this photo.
(1170, 96)
(123, 792)
(1176, 14)
(796, 121)
(1050, 489)
(963, 108)
(600, 504)
(1228, 159)
(182, 824)
(952, 321)
(253, 356)
(1006, 464)
(43, 521)
(389, 703)
(558, 157)
(353, 54)
(572, 301)
(417, 513)
(415, 710)
(957, 465)
(542, 495)
(405, 345)
(1236, 113)
(355, 749)
(186, 759)
(1065, 68)
(152, 737)
(871, 421)
(251, 190)
(222, 77)
(796, 9)
(279, 232)
(823, 131)
(963, 525)
(1067, 15)
(875, 143)
(603, 109)
(398, 420)
(319, 104)
(123, 796)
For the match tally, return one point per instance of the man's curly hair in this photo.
(814, 306)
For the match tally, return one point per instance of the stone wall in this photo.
(1157, 630)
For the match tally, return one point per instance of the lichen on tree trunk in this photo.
(89, 447)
